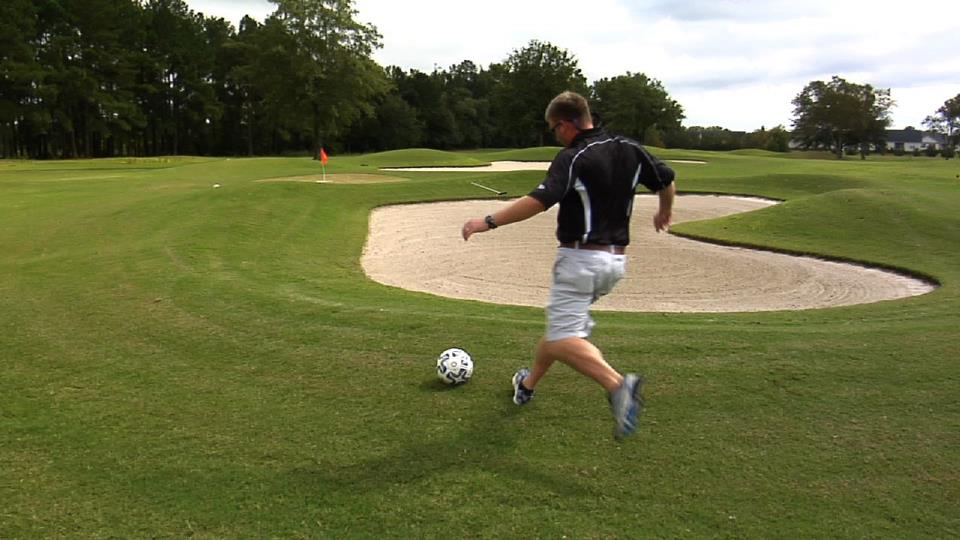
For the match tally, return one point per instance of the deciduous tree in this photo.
(837, 114)
(946, 121)
(340, 80)
(530, 78)
(776, 139)
(634, 104)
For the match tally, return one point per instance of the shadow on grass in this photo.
(436, 385)
(489, 442)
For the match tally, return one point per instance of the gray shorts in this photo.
(580, 278)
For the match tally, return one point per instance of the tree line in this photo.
(95, 78)
(92, 78)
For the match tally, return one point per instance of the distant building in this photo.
(911, 139)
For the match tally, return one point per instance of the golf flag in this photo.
(323, 163)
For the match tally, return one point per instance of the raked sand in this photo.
(418, 247)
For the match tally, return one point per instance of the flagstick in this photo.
(488, 188)
(323, 163)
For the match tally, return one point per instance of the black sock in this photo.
(525, 389)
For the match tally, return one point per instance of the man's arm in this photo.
(664, 215)
(521, 209)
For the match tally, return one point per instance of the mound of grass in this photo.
(542, 153)
(757, 152)
(854, 211)
(418, 157)
(777, 186)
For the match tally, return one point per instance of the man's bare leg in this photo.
(577, 353)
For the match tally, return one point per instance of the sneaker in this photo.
(521, 395)
(625, 403)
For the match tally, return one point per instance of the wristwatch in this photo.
(490, 222)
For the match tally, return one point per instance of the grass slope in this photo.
(180, 360)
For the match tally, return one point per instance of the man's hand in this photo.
(664, 215)
(519, 210)
(662, 220)
(473, 226)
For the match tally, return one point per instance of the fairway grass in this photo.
(181, 361)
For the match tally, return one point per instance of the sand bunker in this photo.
(496, 166)
(345, 178)
(505, 166)
(418, 247)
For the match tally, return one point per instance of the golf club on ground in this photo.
(488, 188)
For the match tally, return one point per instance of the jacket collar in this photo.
(585, 134)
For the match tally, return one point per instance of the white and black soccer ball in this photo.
(454, 366)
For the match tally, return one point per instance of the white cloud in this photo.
(233, 10)
(734, 63)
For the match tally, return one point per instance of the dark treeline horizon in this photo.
(107, 78)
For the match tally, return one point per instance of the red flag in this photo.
(323, 157)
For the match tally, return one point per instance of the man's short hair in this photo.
(569, 106)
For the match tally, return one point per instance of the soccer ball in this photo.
(454, 366)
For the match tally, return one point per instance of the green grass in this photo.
(179, 361)
(420, 157)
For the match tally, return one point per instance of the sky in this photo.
(734, 64)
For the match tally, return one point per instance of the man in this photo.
(594, 179)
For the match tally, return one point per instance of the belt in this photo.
(616, 250)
